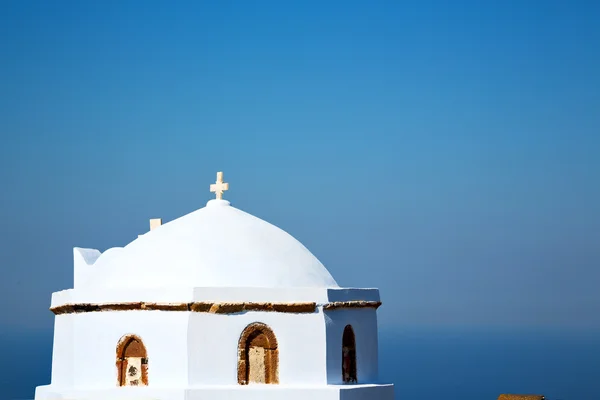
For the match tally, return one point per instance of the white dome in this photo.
(215, 246)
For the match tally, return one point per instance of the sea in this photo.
(424, 364)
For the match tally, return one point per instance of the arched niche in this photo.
(258, 358)
(349, 356)
(132, 362)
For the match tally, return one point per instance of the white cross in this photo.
(219, 186)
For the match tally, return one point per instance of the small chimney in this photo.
(155, 223)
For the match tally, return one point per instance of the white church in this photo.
(217, 304)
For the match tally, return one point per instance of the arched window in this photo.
(132, 361)
(258, 360)
(348, 355)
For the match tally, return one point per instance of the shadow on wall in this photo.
(352, 346)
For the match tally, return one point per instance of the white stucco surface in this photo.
(301, 347)
(92, 339)
(215, 246)
(215, 254)
(198, 352)
(63, 351)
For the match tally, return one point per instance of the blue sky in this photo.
(445, 152)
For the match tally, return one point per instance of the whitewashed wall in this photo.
(194, 349)
(184, 349)
(95, 338)
(191, 349)
(213, 345)
(62, 351)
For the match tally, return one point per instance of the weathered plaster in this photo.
(213, 308)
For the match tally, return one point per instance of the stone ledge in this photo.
(206, 307)
(351, 304)
(211, 307)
